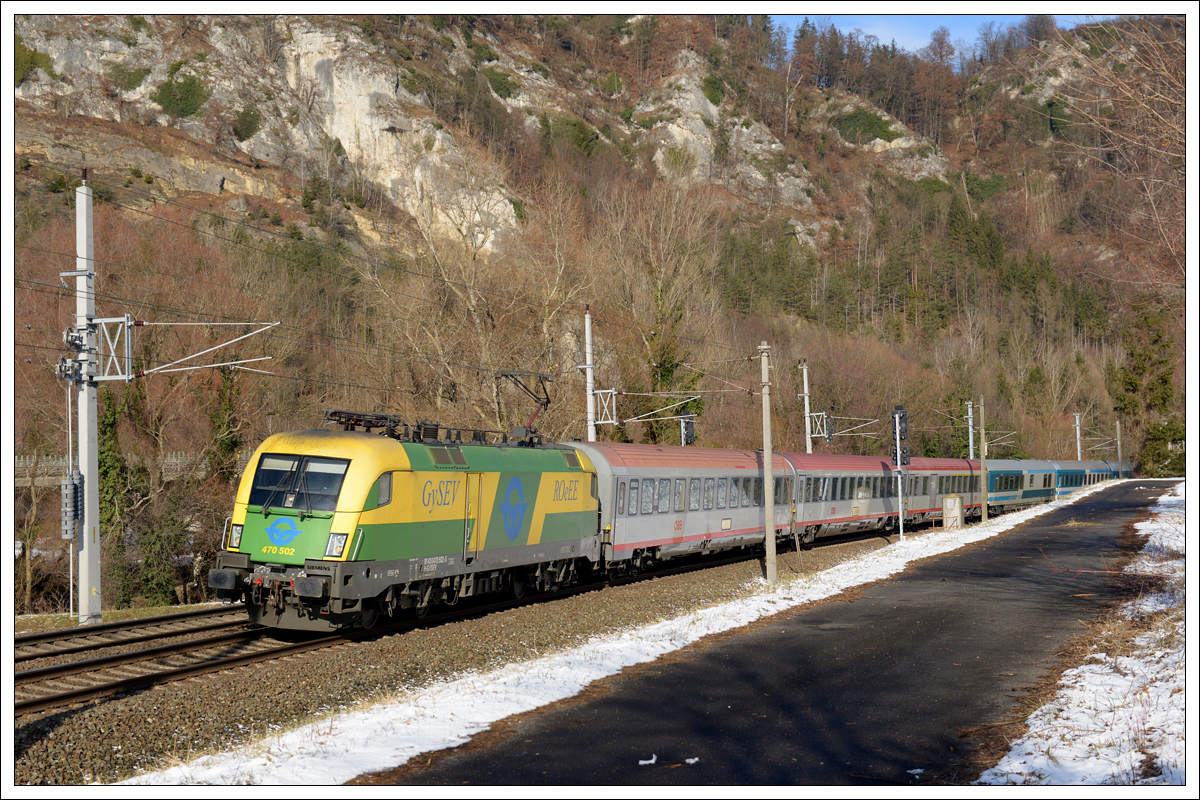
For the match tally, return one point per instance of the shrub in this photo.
(612, 85)
(539, 68)
(518, 209)
(26, 60)
(125, 78)
(182, 98)
(981, 190)
(501, 83)
(713, 89)
(248, 123)
(862, 125)
(483, 53)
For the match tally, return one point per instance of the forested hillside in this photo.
(423, 201)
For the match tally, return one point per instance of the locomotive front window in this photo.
(304, 483)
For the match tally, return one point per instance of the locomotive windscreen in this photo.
(298, 482)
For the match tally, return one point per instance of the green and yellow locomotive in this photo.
(333, 528)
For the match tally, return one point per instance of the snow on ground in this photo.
(1108, 716)
(447, 714)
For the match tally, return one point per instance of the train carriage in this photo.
(333, 528)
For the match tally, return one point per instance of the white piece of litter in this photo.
(653, 758)
(691, 760)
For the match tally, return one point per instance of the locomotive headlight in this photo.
(337, 543)
(235, 536)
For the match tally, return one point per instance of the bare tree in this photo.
(1132, 105)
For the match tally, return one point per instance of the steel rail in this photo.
(146, 637)
(92, 630)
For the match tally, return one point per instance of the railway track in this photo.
(69, 641)
(230, 642)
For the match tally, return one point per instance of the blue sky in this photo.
(912, 31)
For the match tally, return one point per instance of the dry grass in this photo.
(1113, 634)
(41, 623)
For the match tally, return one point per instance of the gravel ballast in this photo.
(151, 730)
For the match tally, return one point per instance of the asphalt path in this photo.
(863, 690)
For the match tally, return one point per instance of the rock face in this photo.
(288, 98)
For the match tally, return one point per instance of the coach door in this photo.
(471, 517)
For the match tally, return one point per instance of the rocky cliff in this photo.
(255, 108)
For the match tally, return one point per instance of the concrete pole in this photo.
(983, 472)
(1078, 446)
(588, 370)
(971, 429)
(89, 448)
(1120, 464)
(807, 411)
(768, 474)
(899, 470)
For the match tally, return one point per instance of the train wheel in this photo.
(519, 585)
(370, 616)
(808, 536)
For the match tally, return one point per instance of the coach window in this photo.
(647, 496)
(694, 494)
(679, 494)
(633, 497)
(745, 492)
(722, 490)
(664, 495)
(710, 489)
(758, 495)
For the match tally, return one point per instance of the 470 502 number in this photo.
(279, 551)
